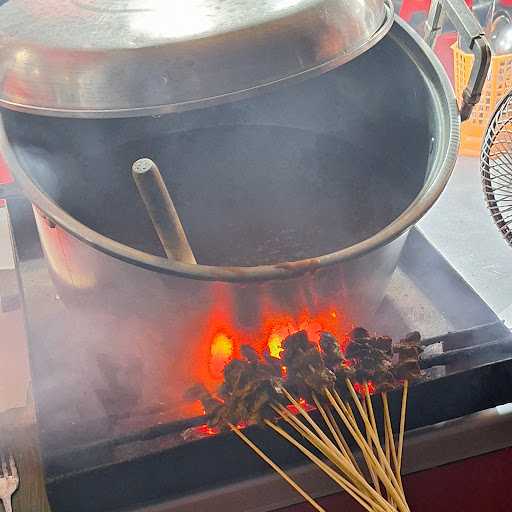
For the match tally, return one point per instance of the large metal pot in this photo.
(297, 204)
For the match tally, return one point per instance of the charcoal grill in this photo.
(298, 179)
(99, 462)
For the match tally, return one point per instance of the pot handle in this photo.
(471, 35)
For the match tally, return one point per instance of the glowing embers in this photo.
(221, 353)
(275, 327)
(313, 327)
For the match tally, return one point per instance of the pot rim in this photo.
(441, 170)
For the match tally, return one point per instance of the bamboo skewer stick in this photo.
(330, 426)
(363, 500)
(388, 448)
(308, 418)
(302, 429)
(336, 433)
(389, 428)
(342, 463)
(343, 441)
(161, 210)
(277, 469)
(369, 408)
(338, 436)
(373, 476)
(387, 466)
(402, 424)
(338, 478)
(370, 457)
(368, 398)
(329, 451)
(386, 477)
(388, 454)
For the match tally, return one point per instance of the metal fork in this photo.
(8, 482)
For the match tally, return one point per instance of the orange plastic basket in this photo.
(498, 83)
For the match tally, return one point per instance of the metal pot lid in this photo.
(117, 58)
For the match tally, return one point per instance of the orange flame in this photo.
(221, 352)
(224, 333)
(225, 342)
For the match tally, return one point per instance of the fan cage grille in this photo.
(496, 167)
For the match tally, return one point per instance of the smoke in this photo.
(300, 172)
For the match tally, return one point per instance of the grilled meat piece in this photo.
(409, 351)
(331, 351)
(211, 405)
(384, 343)
(358, 333)
(250, 354)
(407, 370)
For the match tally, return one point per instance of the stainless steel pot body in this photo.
(304, 220)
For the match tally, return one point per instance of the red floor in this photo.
(479, 484)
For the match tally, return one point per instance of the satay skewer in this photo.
(390, 437)
(373, 476)
(266, 395)
(343, 463)
(372, 502)
(402, 424)
(387, 467)
(370, 457)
